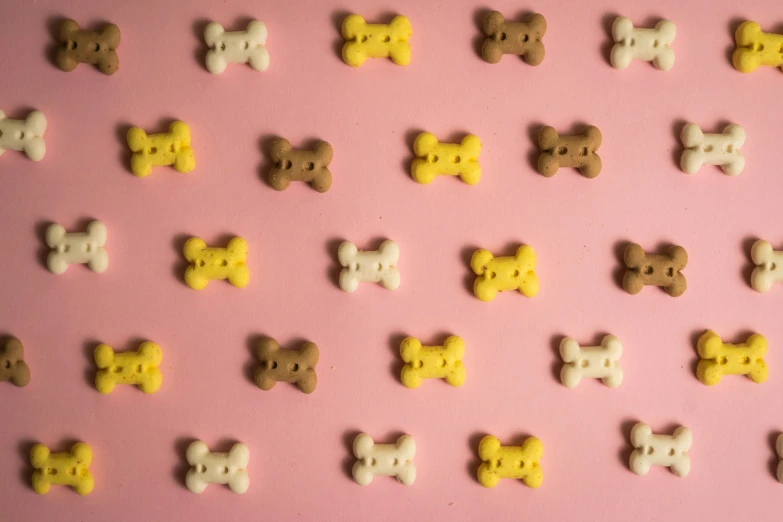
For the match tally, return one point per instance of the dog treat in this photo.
(157, 150)
(139, 368)
(12, 365)
(217, 468)
(520, 38)
(369, 266)
(712, 149)
(236, 47)
(294, 366)
(779, 451)
(384, 460)
(363, 40)
(576, 151)
(497, 274)
(514, 462)
(591, 362)
(70, 248)
(311, 166)
(93, 47)
(670, 451)
(755, 48)
(436, 159)
(769, 265)
(24, 135)
(62, 469)
(211, 263)
(648, 45)
(719, 358)
(662, 270)
(432, 362)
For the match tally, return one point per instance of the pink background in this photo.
(300, 444)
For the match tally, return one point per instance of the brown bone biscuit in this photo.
(577, 151)
(655, 269)
(81, 46)
(12, 365)
(520, 38)
(294, 366)
(291, 164)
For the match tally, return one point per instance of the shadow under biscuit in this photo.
(333, 272)
(181, 468)
(747, 269)
(774, 459)
(349, 459)
(395, 368)
(337, 22)
(624, 454)
(466, 254)
(606, 45)
(407, 161)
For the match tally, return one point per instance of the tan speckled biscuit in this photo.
(520, 38)
(577, 151)
(311, 166)
(294, 366)
(12, 365)
(93, 47)
(655, 269)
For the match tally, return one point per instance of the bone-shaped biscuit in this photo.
(157, 150)
(12, 365)
(719, 358)
(514, 462)
(211, 263)
(310, 166)
(651, 449)
(363, 40)
(432, 362)
(779, 451)
(662, 270)
(369, 266)
(591, 362)
(721, 149)
(69, 248)
(384, 460)
(649, 45)
(217, 468)
(577, 151)
(496, 274)
(756, 48)
(140, 367)
(236, 47)
(62, 469)
(769, 265)
(520, 38)
(92, 47)
(294, 366)
(436, 159)
(24, 135)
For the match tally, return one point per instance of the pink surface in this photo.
(300, 444)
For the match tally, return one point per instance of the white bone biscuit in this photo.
(769, 266)
(217, 468)
(236, 47)
(370, 266)
(722, 149)
(69, 248)
(388, 460)
(24, 135)
(591, 362)
(652, 449)
(649, 45)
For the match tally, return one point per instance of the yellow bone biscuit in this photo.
(363, 40)
(208, 263)
(432, 362)
(719, 358)
(514, 462)
(62, 469)
(156, 150)
(435, 159)
(139, 367)
(496, 274)
(755, 48)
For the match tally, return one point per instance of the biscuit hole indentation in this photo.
(456, 159)
(21, 135)
(117, 369)
(379, 267)
(222, 46)
(87, 247)
(70, 44)
(649, 450)
(648, 270)
(758, 46)
(200, 262)
(7, 364)
(723, 360)
(432, 158)
(272, 365)
(1, 133)
(492, 275)
(418, 363)
(247, 45)
(224, 470)
(671, 452)
(372, 462)
(224, 263)
(746, 360)
(632, 42)
(140, 368)
(443, 363)
(583, 151)
(584, 363)
(515, 274)
(294, 367)
(66, 248)
(171, 148)
(707, 148)
(309, 165)
(362, 38)
(562, 151)
(670, 272)
(72, 471)
(396, 462)
(51, 471)
(502, 37)
(521, 464)
(95, 47)
(285, 165)
(201, 468)
(729, 148)
(773, 266)
(386, 38)
(525, 38)
(655, 44)
(152, 150)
